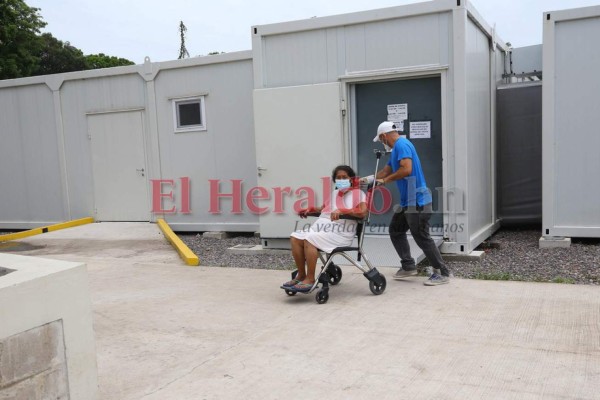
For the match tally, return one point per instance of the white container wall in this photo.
(30, 165)
(571, 121)
(442, 40)
(225, 151)
(90, 143)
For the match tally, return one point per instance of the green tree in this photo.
(95, 61)
(56, 57)
(19, 43)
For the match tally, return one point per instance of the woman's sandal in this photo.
(302, 287)
(291, 283)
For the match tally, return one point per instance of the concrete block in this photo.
(547, 242)
(472, 256)
(33, 364)
(47, 385)
(216, 235)
(47, 348)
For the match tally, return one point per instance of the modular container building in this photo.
(323, 85)
(571, 121)
(98, 143)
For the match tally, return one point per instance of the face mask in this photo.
(388, 149)
(342, 183)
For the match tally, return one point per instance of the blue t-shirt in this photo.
(413, 189)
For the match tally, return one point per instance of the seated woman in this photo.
(328, 231)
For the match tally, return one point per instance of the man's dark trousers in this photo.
(415, 219)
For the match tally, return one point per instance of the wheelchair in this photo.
(330, 273)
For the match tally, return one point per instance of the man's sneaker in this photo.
(402, 273)
(436, 279)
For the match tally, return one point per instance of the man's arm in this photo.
(384, 172)
(402, 172)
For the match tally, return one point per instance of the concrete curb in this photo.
(44, 229)
(472, 256)
(184, 252)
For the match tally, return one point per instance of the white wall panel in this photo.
(29, 164)
(79, 98)
(294, 59)
(405, 42)
(479, 204)
(224, 151)
(323, 55)
(577, 123)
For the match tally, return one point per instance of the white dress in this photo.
(326, 234)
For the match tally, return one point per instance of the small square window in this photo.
(189, 115)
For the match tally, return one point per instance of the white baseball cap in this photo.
(385, 127)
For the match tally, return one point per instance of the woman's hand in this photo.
(335, 215)
(304, 212)
(367, 179)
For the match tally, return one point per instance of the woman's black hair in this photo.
(344, 168)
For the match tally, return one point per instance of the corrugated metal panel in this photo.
(479, 204)
(577, 118)
(88, 96)
(29, 164)
(323, 55)
(224, 151)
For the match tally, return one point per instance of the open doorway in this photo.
(418, 102)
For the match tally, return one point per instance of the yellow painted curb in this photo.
(186, 254)
(44, 229)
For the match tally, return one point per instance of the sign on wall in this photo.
(420, 129)
(397, 113)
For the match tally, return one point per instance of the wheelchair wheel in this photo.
(335, 274)
(290, 292)
(377, 288)
(322, 297)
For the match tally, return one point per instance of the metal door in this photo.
(298, 141)
(118, 162)
(422, 99)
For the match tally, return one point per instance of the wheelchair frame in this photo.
(331, 274)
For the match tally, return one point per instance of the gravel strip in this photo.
(511, 254)
(213, 252)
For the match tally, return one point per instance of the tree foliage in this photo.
(19, 40)
(56, 57)
(25, 52)
(95, 61)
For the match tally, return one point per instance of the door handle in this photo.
(141, 171)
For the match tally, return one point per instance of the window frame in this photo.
(189, 100)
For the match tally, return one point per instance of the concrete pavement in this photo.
(165, 330)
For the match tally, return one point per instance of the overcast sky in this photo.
(134, 29)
